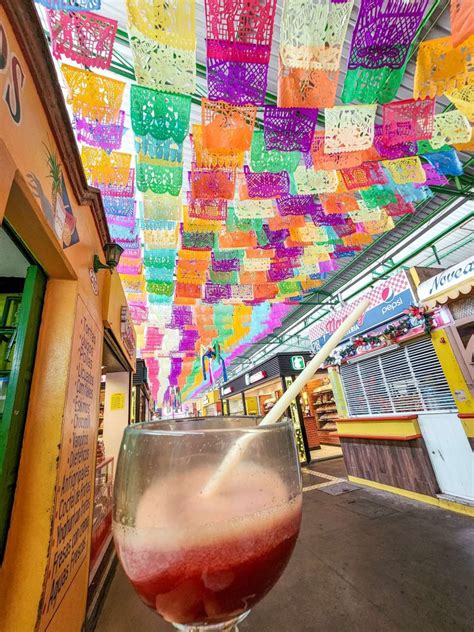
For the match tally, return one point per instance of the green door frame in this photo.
(12, 423)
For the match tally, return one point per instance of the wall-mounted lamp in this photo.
(112, 257)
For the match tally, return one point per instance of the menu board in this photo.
(71, 522)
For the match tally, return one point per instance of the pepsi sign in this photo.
(388, 300)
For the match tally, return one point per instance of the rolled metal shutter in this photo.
(407, 379)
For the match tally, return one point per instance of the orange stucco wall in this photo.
(72, 316)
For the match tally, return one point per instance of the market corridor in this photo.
(365, 560)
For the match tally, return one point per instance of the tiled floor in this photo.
(365, 561)
(326, 452)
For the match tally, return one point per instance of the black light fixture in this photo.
(113, 253)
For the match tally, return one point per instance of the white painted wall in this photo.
(115, 421)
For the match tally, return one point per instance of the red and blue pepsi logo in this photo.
(387, 294)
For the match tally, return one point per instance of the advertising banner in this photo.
(388, 299)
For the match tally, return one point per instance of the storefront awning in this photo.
(449, 284)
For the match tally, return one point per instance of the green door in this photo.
(12, 420)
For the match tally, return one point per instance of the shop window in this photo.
(21, 299)
(404, 380)
(462, 336)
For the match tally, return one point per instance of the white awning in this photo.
(449, 284)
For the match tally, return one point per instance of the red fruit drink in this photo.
(207, 560)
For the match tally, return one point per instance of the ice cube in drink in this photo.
(204, 560)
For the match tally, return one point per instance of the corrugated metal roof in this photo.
(438, 25)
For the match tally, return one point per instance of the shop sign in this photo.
(297, 362)
(72, 517)
(127, 331)
(227, 390)
(255, 377)
(442, 283)
(388, 299)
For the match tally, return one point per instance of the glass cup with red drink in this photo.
(203, 560)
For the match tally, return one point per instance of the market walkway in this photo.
(365, 560)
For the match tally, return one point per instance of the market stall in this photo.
(141, 407)
(211, 404)
(256, 391)
(391, 376)
(450, 438)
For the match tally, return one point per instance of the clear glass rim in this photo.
(144, 427)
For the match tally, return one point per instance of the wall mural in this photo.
(55, 203)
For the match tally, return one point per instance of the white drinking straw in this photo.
(235, 453)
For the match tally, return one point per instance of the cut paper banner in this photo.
(161, 115)
(163, 42)
(349, 128)
(440, 68)
(93, 96)
(407, 120)
(84, 37)
(288, 129)
(313, 33)
(384, 32)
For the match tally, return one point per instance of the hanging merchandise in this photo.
(440, 68)
(349, 128)
(107, 136)
(93, 96)
(462, 21)
(264, 184)
(407, 120)
(449, 128)
(205, 159)
(312, 33)
(158, 178)
(384, 32)
(227, 128)
(109, 168)
(239, 38)
(84, 37)
(363, 176)
(288, 129)
(163, 42)
(160, 114)
(406, 170)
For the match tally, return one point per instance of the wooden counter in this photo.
(389, 450)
